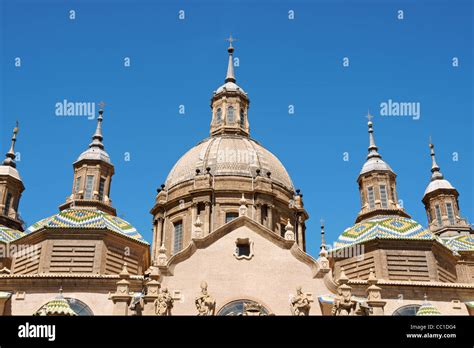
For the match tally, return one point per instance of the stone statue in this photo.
(300, 303)
(163, 303)
(343, 303)
(205, 303)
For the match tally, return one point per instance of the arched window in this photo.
(438, 215)
(219, 116)
(230, 115)
(242, 118)
(243, 307)
(449, 210)
(383, 196)
(407, 310)
(79, 307)
(371, 197)
(8, 203)
(178, 236)
(101, 189)
(89, 186)
(78, 184)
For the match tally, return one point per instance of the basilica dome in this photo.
(229, 155)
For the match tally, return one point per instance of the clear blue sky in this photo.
(282, 62)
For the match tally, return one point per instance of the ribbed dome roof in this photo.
(230, 87)
(228, 155)
(95, 153)
(375, 163)
(438, 184)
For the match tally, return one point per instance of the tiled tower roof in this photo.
(88, 219)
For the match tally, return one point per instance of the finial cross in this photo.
(230, 39)
(369, 116)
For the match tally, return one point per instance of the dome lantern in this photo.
(377, 184)
(230, 103)
(12, 187)
(93, 173)
(441, 202)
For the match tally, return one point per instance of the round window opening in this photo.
(244, 308)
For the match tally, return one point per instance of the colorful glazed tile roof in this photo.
(427, 309)
(58, 306)
(459, 243)
(8, 235)
(383, 227)
(88, 219)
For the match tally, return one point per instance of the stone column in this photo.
(155, 241)
(300, 231)
(270, 216)
(193, 216)
(207, 218)
(159, 236)
(217, 216)
(259, 213)
(165, 228)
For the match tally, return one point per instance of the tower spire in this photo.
(323, 240)
(435, 170)
(98, 137)
(230, 77)
(372, 147)
(10, 155)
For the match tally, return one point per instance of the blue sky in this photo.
(299, 62)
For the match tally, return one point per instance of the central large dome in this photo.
(229, 155)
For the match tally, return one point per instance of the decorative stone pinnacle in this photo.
(124, 273)
(10, 155)
(372, 279)
(230, 77)
(342, 277)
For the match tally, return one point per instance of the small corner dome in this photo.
(373, 164)
(229, 155)
(94, 153)
(438, 184)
